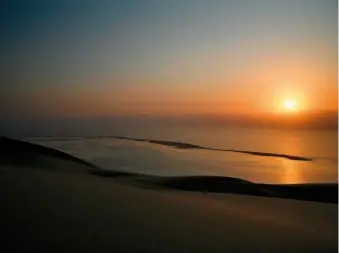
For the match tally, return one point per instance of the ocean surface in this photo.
(154, 159)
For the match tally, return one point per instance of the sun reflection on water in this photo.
(290, 172)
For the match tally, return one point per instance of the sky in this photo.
(164, 58)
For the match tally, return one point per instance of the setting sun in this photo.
(290, 105)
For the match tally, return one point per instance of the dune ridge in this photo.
(14, 150)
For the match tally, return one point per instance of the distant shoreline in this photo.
(185, 145)
(19, 153)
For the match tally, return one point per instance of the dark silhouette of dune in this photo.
(183, 145)
(313, 192)
(15, 152)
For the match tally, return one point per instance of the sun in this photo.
(290, 105)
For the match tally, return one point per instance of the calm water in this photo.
(154, 159)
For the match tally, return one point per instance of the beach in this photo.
(71, 209)
(169, 126)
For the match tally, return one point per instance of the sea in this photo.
(153, 159)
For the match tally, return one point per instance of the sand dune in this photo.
(42, 211)
(16, 152)
(45, 211)
(42, 157)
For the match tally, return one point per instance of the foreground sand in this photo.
(54, 202)
(47, 211)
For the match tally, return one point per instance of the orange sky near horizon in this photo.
(262, 90)
(160, 58)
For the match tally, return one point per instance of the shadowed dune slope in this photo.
(50, 212)
(20, 153)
